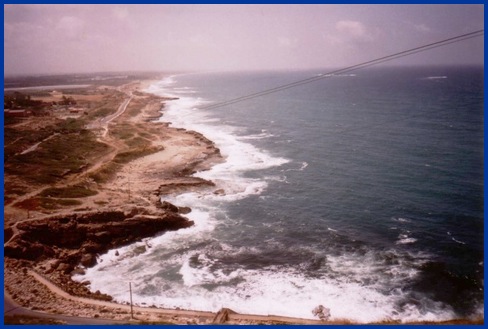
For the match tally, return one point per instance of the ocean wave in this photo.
(193, 269)
(454, 239)
(263, 135)
(435, 77)
(303, 166)
(277, 178)
(402, 220)
(239, 155)
(405, 239)
(359, 287)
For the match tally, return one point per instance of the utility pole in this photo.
(130, 291)
(128, 180)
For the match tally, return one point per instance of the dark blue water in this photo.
(361, 192)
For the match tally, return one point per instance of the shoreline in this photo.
(139, 183)
(135, 191)
(167, 171)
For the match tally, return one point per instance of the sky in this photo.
(52, 39)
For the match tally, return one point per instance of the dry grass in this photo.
(126, 157)
(43, 203)
(58, 96)
(105, 173)
(56, 158)
(68, 192)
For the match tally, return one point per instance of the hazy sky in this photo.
(86, 38)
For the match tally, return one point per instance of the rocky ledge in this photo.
(56, 246)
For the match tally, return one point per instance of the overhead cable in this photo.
(348, 69)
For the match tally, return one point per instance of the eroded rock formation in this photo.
(66, 241)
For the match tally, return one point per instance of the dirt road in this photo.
(11, 308)
(223, 316)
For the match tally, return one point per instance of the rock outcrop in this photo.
(186, 184)
(66, 242)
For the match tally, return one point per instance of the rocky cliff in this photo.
(66, 241)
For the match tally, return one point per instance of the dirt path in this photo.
(52, 287)
(33, 147)
(114, 146)
(182, 151)
(11, 308)
(11, 208)
(100, 161)
(221, 317)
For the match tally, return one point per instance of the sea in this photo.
(361, 192)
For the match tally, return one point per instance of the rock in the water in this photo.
(184, 210)
(322, 312)
(169, 206)
(95, 233)
(78, 271)
(65, 268)
(88, 260)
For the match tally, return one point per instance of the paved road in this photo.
(106, 120)
(120, 110)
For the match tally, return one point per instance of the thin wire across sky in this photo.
(348, 69)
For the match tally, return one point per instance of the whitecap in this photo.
(303, 166)
(405, 239)
(359, 287)
(402, 220)
(436, 77)
(262, 135)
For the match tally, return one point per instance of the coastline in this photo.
(135, 184)
(132, 196)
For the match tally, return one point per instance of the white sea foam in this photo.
(264, 134)
(240, 156)
(358, 287)
(402, 220)
(356, 291)
(454, 239)
(277, 178)
(303, 166)
(405, 239)
(436, 77)
(180, 269)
